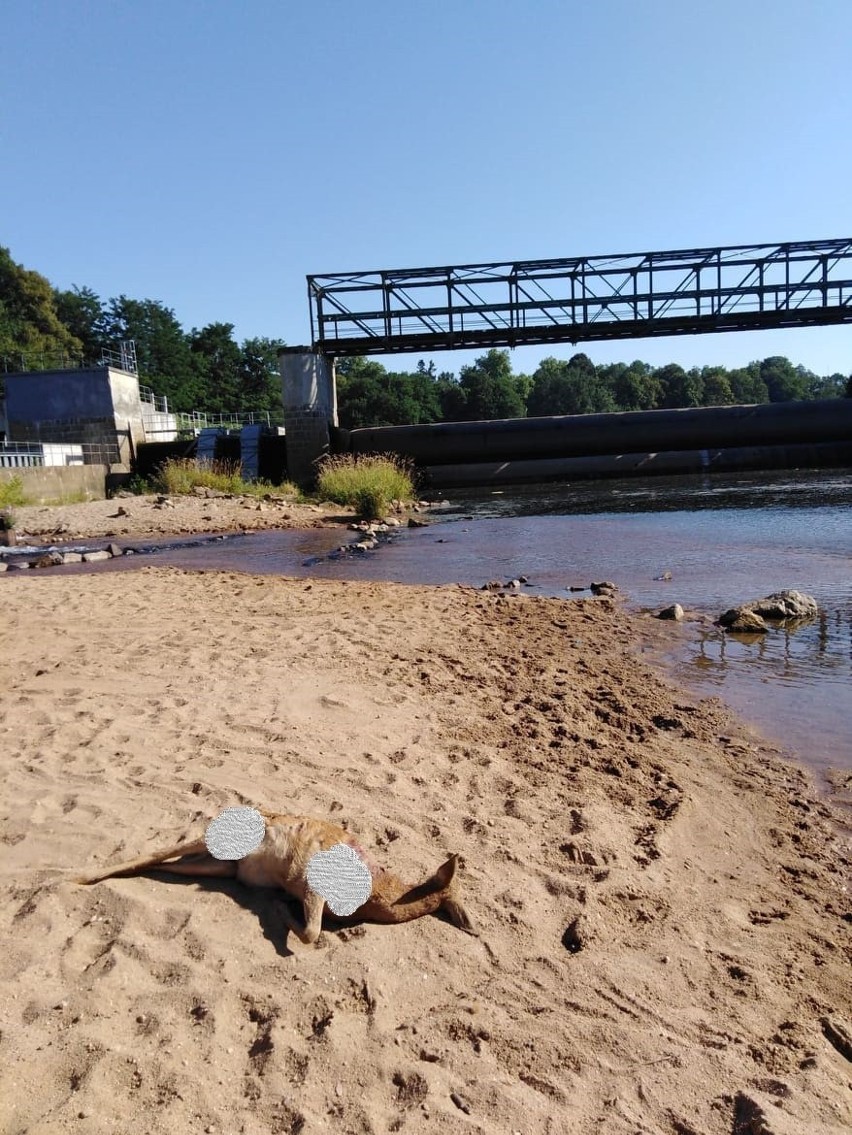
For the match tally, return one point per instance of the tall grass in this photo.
(181, 476)
(368, 483)
(12, 492)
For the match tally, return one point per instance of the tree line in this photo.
(369, 395)
(206, 369)
(203, 369)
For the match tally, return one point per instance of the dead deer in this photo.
(281, 861)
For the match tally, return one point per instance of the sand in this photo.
(144, 515)
(663, 902)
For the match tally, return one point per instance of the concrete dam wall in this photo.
(773, 435)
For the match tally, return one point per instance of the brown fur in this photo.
(281, 861)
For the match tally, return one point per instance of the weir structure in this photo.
(571, 300)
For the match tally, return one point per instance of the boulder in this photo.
(786, 605)
(72, 558)
(673, 612)
(781, 606)
(603, 588)
(50, 559)
(742, 620)
(115, 550)
(95, 557)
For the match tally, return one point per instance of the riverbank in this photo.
(663, 902)
(153, 515)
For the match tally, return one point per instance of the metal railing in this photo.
(30, 454)
(40, 360)
(121, 358)
(198, 420)
(158, 402)
(20, 455)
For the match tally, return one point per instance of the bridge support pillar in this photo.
(309, 394)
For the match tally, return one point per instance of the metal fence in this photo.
(198, 420)
(157, 402)
(30, 455)
(123, 357)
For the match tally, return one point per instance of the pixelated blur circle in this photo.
(235, 833)
(341, 878)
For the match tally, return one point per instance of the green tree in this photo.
(634, 387)
(84, 315)
(452, 398)
(827, 386)
(31, 332)
(717, 387)
(369, 395)
(571, 387)
(523, 385)
(364, 394)
(162, 349)
(784, 382)
(217, 361)
(260, 377)
(747, 386)
(489, 389)
(423, 392)
(680, 387)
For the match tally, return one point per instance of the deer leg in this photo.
(313, 905)
(202, 866)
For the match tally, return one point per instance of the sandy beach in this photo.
(153, 515)
(663, 902)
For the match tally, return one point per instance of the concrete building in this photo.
(98, 407)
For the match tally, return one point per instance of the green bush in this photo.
(7, 520)
(368, 483)
(12, 492)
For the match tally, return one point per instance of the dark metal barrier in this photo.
(517, 439)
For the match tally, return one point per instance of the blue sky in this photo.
(212, 154)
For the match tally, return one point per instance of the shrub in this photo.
(12, 492)
(7, 520)
(368, 483)
(180, 476)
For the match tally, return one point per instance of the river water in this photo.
(724, 540)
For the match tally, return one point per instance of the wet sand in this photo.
(663, 903)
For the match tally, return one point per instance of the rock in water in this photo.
(603, 588)
(780, 606)
(786, 605)
(49, 559)
(673, 612)
(743, 621)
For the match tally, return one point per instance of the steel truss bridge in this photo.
(585, 298)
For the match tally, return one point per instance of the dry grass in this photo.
(368, 483)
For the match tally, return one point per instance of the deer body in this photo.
(281, 861)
